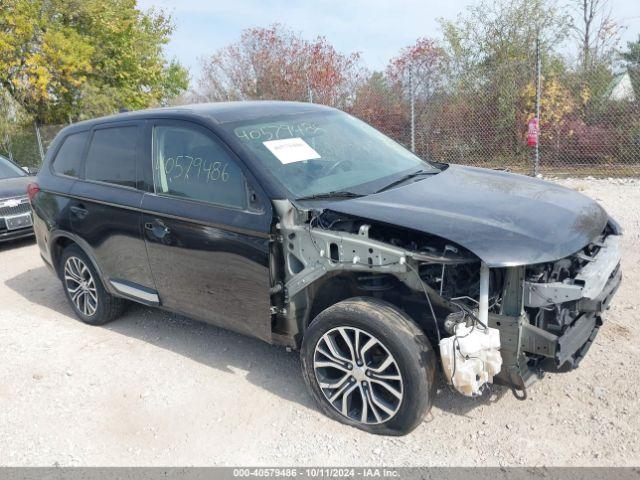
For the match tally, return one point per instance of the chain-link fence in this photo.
(589, 121)
(27, 143)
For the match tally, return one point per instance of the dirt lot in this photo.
(159, 389)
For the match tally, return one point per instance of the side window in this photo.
(112, 156)
(188, 163)
(69, 156)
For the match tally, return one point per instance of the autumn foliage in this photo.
(63, 60)
(469, 94)
(276, 63)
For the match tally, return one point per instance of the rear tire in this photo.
(86, 294)
(373, 354)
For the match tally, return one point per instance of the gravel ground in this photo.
(159, 389)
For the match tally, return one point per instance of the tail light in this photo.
(32, 189)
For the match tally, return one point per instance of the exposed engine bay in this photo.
(490, 324)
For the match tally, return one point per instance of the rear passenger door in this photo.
(206, 226)
(104, 210)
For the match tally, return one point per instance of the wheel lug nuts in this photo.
(349, 366)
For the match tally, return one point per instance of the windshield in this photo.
(10, 170)
(313, 154)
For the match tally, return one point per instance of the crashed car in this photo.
(307, 228)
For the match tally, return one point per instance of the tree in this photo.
(8, 114)
(422, 66)
(492, 53)
(420, 73)
(596, 31)
(557, 104)
(276, 63)
(492, 35)
(380, 103)
(59, 58)
(632, 59)
(632, 55)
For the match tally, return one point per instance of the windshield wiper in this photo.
(333, 194)
(404, 178)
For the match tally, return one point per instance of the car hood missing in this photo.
(503, 218)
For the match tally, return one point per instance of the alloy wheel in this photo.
(81, 286)
(358, 375)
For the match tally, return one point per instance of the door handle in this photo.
(158, 230)
(79, 211)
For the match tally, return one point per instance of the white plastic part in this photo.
(471, 358)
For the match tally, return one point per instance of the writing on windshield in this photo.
(326, 152)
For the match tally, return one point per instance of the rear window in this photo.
(112, 156)
(69, 157)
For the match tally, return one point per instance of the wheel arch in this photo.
(332, 289)
(60, 241)
(328, 291)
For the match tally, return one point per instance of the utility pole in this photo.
(413, 110)
(536, 164)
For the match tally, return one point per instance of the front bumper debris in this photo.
(574, 343)
(588, 284)
(524, 345)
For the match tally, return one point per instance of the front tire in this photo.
(85, 291)
(368, 365)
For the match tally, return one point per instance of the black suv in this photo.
(304, 227)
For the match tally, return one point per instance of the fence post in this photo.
(7, 139)
(39, 139)
(310, 93)
(413, 110)
(536, 161)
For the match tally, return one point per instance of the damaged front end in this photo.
(491, 324)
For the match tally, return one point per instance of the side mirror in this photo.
(30, 170)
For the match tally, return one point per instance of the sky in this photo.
(375, 28)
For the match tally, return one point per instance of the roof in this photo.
(220, 112)
(621, 88)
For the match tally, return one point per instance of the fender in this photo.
(84, 246)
